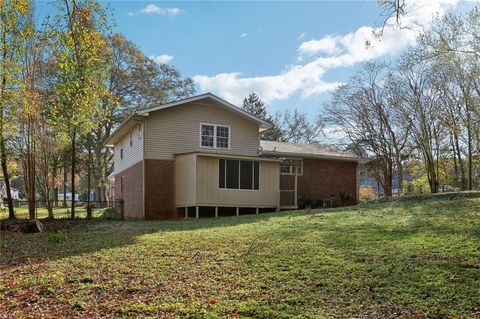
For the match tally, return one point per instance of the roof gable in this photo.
(207, 98)
(213, 99)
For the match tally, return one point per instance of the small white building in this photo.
(69, 196)
(15, 193)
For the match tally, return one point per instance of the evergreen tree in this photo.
(255, 106)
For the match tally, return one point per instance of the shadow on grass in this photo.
(84, 236)
(370, 224)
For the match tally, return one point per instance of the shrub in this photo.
(57, 236)
(345, 197)
(367, 193)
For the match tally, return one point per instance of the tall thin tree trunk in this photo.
(72, 212)
(3, 155)
(89, 174)
(31, 169)
(470, 155)
(64, 204)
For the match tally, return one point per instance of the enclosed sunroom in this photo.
(208, 182)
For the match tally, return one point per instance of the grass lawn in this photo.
(413, 258)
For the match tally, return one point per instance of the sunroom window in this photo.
(236, 174)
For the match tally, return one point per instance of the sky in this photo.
(293, 54)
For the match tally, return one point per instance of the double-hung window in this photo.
(236, 174)
(215, 136)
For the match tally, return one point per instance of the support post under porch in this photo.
(197, 212)
(237, 211)
(216, 212)
(186, 212)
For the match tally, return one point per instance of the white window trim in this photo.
(291, 164)
(215, 137)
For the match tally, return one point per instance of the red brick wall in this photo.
(323, 178)
(132, 190)
(160, 189)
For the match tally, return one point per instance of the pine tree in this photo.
(255, 106)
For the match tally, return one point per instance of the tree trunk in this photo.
(31, 177)
(470, 155)
(72, 212)
(6, 176)
(89, 174)
(64, 204)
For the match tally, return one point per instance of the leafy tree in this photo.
(81, 42)
(13, 32)
(133, 82)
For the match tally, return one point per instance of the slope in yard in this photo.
(414, 258)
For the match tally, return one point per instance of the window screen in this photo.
(256, 170)
(221, 173)
(235, 174)
(246, 175)
(232, 174)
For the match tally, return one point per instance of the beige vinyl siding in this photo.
(176, 130)
(201, 189)
(185, 166)
(131, 154)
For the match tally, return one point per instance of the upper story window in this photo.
(291, 167)
(215, 136)
(121, 153)
(131, 138)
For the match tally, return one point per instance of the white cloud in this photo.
(326, 45)
(301, 36)
(154, 9)
(161, 59)
(243, 35)
(316, 57)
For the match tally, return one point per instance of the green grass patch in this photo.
(413, 258)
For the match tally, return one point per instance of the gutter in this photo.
(316, 156)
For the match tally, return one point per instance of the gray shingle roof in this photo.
(306, 150)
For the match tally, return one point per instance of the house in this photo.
(68, 197)
(202, 156)
(14, 193)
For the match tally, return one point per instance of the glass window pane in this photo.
(207, 135)
(221, 173)
(232, 174)
(222, 136)
(285, 169)
(246, 175)
(256, 171)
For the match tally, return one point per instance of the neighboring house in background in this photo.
(68, 196)
(202, 156)
(13, 191)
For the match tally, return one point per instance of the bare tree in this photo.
(364, 109)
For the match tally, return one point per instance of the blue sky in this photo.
(293, 54)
